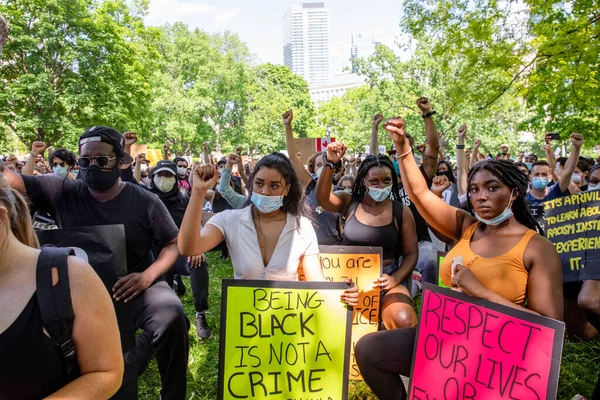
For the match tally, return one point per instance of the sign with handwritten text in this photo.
(283, 340)
(573, 225)
(469, 348)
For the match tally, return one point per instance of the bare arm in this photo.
(374, 142)
(95, 327)
(312, 268)
(446, 219)
(474, 153)
(410, 246)
(164, 262)
(551, 161)
(207, 158)
(130, 140)
(166, 148)
(430, 156)
(461, 161)
(13, 179)
(332, 202)
(193, 239)
(565, 179)
(137, 171)
(37, 148)
(303, 175)
(242, 173)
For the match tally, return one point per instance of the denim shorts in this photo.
(390, 269)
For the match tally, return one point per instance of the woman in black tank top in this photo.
(373, 219)
(31, 365)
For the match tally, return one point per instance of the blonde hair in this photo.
(18, 214)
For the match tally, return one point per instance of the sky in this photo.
(259, 22)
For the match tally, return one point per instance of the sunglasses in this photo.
(101, 161)
(62, 164)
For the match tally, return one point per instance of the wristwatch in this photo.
(429, 114)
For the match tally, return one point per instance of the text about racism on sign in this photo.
(474, 349)
(284, 340)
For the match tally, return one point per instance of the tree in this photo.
(71, 64)
(273, 90)
(547, 51)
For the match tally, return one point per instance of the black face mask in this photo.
(97, 179)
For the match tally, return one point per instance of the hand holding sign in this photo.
(386, 282)
(335, 152)
(350, 296)
(464, 279)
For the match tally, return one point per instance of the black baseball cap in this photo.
(222, 161)
(165, 165)
(108, 135)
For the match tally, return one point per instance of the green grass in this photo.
(579, 369)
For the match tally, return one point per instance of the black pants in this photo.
(382, 356)
(199, 282)
(159, 313)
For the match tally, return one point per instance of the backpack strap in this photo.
(398, 210)
(55, 302)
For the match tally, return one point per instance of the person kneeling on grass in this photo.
(269, 237)
(505, 260)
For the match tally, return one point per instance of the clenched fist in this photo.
(577, 140)
(424, 104)
(38, 148)
(335, 152)
(288, 117)
(205, 178)
(130, 138)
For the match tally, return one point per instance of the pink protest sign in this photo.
(469, 348)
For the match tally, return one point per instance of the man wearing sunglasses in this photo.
(99, 197)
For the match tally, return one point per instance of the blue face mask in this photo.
(380, 195)
(529, 165)
(267, 204)
(539, 183)
(506, 214)
(60, 171)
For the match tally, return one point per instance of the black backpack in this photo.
(56, 306)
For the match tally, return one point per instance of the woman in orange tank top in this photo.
(499, 256)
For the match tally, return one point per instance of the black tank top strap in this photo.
(398, 210)
(55, 303)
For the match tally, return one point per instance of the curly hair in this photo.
(381, 161)
(294, 202)
(312, 161)
(510, 175)
(64, 155)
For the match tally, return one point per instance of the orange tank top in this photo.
(505, 275)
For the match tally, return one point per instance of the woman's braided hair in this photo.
(511, 176)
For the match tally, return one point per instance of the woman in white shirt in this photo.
(269, 237)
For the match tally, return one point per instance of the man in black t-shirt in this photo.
(99, 197)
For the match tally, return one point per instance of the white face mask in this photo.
(144, 167)
(318, 172)
(164, 184)
(506, 214)
(181, 171)
(593, 187)
(576, 179)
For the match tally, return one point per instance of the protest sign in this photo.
(103, 247)
(441, 256)
(573, 225)
(469, 348)
(283, 340)
(363, 265)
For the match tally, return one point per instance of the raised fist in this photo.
(38, 148)
(577, 140)
(205, 145)
(130, 138)
(477, 143)
(232, 159)
(396, 129)
(462, 131)
(335, 152)
(377, 119)
(140, 157)
(421, 148)
(288, 117)
(547, 148)
(440, 183)
(424, 104)
(166, 147)
(205, 178)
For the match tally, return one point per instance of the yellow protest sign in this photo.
(362, 264)
(283, 340)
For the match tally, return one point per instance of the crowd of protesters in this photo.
(269, 218)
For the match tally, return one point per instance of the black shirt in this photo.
(144, 216)
(420, 224)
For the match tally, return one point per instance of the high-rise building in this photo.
(364, 45)
(306, 42)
